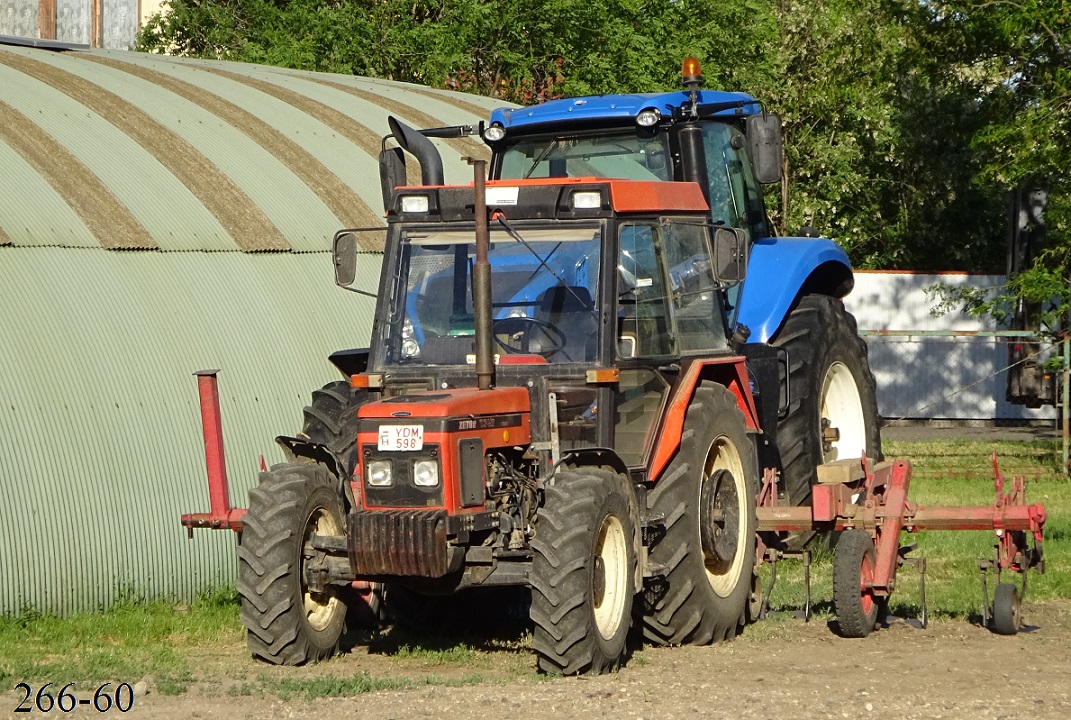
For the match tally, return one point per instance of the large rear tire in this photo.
(707, 561)
(584, 572)
(331, 419)
(287, 622)
(833, 409)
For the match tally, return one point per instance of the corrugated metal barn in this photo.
(160, 216)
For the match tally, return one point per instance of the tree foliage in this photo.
(906, 121)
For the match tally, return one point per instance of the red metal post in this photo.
(211, 423)
(888, 534)
(222, 515)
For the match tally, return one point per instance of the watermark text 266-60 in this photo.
(46, 699)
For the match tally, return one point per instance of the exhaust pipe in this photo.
(424, 150)
(481, 282)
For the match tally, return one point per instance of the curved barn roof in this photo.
(159, 216)
(136, 151)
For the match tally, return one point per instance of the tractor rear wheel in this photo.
(833, 410)
(707, 496)
(289, 623)
(584, 572)
(331, 419)
(854, 601)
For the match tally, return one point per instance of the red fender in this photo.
(729, 372)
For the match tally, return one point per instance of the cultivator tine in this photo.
(807, 585)
(919, 563)
(765, 608)
(983, 567)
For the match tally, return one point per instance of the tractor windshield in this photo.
(544, 286)
(624, 155)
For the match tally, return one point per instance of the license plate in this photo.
(401, 437)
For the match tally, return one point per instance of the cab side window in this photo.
(644, 321)
(735, 197)
(697, 311)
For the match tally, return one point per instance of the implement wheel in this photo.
(584, 572)
(707, 496)
(288, 623)
(854, 601)
(1006, 610)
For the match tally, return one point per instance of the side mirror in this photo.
(730, 255)
(344, 251)
(764, 147)
(391, 172)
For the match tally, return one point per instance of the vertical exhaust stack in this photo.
(427, 155)
(481, 282)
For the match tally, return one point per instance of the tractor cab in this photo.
(600, 290)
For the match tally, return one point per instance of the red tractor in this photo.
(551, 399)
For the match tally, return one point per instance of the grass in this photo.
(166, 644)
(333, 686)
(958, 473)
(129, 641)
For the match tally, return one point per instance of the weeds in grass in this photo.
(334, 686)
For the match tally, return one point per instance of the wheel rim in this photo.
(843, 424)
(866, 584)
(609, 581)
(320, 608)
(724, 576)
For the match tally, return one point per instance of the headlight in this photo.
(380, 473)
(494, 133)
(410, 348)
(587, 200)
(648, 117)
(415, 203)
(426, 473)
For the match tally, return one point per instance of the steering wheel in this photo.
(523, 331)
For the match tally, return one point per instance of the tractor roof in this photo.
(598, 109)
(555, 197)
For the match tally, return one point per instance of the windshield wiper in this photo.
(541, 157)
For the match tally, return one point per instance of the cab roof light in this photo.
(648, 117)
(414, 203)
(494, 133)
(586, 200)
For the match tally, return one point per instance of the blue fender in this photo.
(777, 269)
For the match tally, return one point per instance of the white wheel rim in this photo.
(722, 576)
(320, 608)
(843, 408)
(612, 549)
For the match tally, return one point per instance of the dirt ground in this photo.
(778, 669)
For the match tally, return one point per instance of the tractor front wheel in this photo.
(288, 622)
(584, 572)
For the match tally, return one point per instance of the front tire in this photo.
(833, 410)
(708, 562)
(287, 622)
(583, 573)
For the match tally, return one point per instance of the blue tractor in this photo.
(809, 366)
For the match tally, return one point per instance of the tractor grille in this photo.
(398, 542)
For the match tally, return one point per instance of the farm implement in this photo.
(870, 509)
